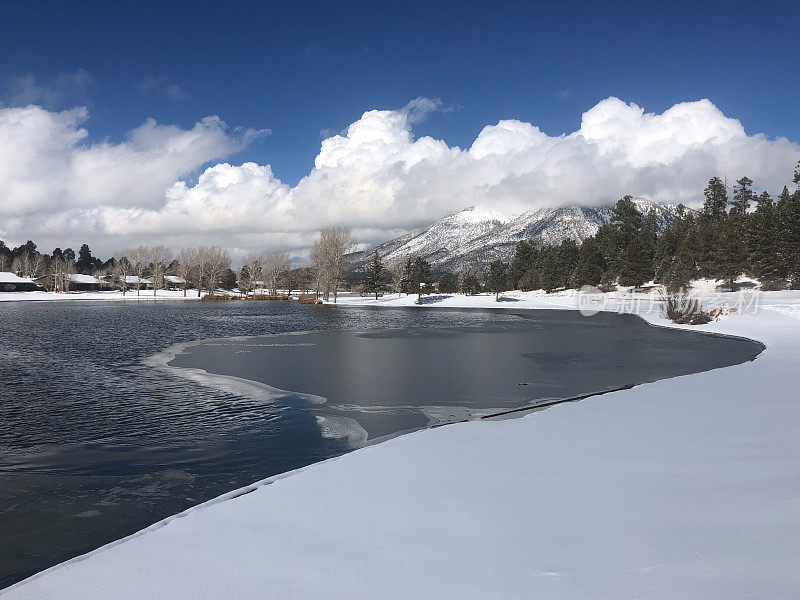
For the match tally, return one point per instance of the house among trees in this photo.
(173, 282)
(9, 282)
(134, 280)
(86, 283)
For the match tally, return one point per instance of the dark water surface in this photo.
(98, 440)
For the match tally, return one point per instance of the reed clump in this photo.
(309, 299)
(218, 298)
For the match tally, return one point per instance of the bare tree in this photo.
(3, 262)
(251, 273)
(61, 270)
(328, 252)
(160, 257)
(187, 265)
(305, 278)
(140, 258)
(39, 266)
(275, 265)
(122, 269)
(56, 273)
(203, 256)
(397, 268)
(317, 256)
(291, 280)
(28, 264)
(214, 261)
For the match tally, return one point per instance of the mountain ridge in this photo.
(471, 238)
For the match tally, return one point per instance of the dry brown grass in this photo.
(218, 298)
(681, 308)
(309, 299)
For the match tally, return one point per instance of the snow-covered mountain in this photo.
(472, 238)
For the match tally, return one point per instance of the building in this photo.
(173, 282)
(14, 283)
(86, 283)
(132, 281)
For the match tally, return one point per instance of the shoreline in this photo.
(781, 333)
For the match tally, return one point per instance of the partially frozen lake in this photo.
(368, 384)
(96, 443)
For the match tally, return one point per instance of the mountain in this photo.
(472, 238)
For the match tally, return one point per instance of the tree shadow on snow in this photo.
(434, 299)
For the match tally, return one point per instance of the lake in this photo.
(116, 415)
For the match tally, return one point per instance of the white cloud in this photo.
(375, 177)
(46, 166)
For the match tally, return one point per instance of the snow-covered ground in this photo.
(684, 488)
(108, 296)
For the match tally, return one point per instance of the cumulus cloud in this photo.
(46, 166)
(375, 176)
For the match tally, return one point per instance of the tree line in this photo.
(742, 233)
(201, 268)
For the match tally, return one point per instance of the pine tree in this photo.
(716, 201)
(530, 281)
(405, 281)
(228, 280)
(789, 215)
(498, 278)
(731, 250)
(377, 277)
(548, 269)
(710, 253)
(637, 263)
(524, 258)
(605, 240)
(566, 261)
(419, 276)
(469, 283)
(85, 260)
(448, 283)
(742, 196)
(669, 242)
(763, 239)
(591, 265)
(626, 221)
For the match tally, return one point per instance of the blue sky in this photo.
(300, 68)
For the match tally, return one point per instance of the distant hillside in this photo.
(472, 238)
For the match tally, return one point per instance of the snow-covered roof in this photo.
(78, 278)
(135, 279)
(8, 277)
(174, 279)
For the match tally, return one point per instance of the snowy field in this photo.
(114, 296)
(680, 489)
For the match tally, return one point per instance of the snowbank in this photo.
(108, 296)
(683, 488)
